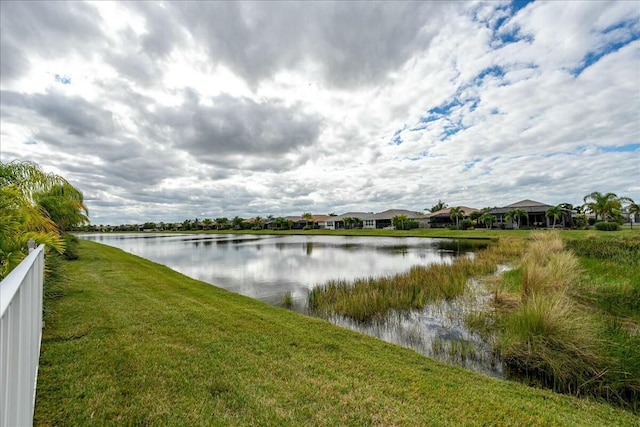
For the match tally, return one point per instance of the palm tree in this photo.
(309, 218)
(237, 222)
(356, 222)
(516, 215)
(487, 219)
(34, 205)
(633, 209)
(65, 206)
(222, 223)
(399, 221)
(556, 212)
(279, 222)
(607, 205)
(455, 214)
(348, 221)
(438, 206)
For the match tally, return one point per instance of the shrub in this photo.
(607, 226)
(466, 224)
(71, 247)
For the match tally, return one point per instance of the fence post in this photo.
(31, 244)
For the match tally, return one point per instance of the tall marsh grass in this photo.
(546, 266)
(552, 340)
(624, 251)
(549, 342)
(365, 299)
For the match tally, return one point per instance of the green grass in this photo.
(130, 342)
(477, 233)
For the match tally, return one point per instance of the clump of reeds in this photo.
(546, 266)
(368, 298)
(287, 300)
(550, 340)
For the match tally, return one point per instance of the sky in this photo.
(166, 111)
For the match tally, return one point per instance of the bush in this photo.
(407, 225)
(70, 247)
(607, 226)
(466, 224)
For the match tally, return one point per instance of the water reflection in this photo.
(265, 267)
(268, 267)
(438, 331)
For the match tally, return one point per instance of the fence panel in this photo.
(20, 337)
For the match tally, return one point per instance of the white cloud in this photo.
(206, 109)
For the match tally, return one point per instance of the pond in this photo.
(268, 267)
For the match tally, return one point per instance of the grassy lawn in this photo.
(130, 342)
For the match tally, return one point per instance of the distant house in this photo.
(321, 220)
(629, 217)
(300, 223)
(385, 219)
(536, 211)
(442, 218)
(338, 223)
(296, 220)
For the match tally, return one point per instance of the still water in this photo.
(267, 267)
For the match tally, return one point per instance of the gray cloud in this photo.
(49, 29)
(73, 113)
(349, 44)
(239, 132)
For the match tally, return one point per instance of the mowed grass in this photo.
(130, 342)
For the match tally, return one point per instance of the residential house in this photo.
(337, 222)
(300, 223)
(442, 218)
(536, 215)
(385, 219)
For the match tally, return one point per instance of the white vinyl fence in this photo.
(20, 336)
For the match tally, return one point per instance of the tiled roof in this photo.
(389, 214)
(530, 206)
(527, 203)
(447, 211)
(360, 215)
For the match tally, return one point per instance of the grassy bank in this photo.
(129, 342)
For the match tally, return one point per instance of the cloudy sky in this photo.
(165, 111)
